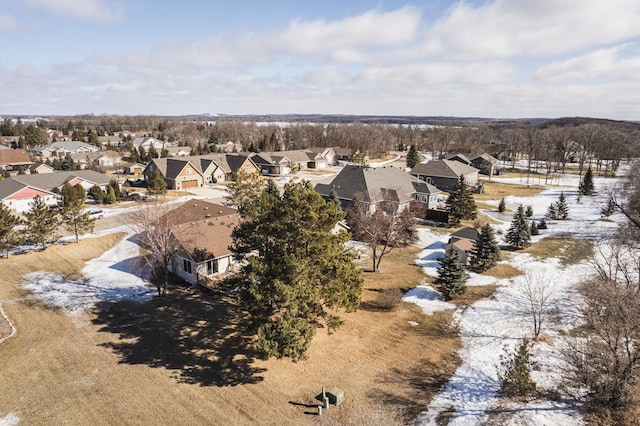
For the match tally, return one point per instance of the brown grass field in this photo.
(187, 358)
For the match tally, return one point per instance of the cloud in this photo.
(372, 28)
(609, 63)
(7, 23)
(512, 28)
(92, 10)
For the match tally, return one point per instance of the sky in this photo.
(493, 58)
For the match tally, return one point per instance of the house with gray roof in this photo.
(377, 185)
(86, 178)
(485, 163)
(146, 143)
(444, 174)
(61, 148)
(282, 163)
(17, 196)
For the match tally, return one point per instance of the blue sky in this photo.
(494, 58)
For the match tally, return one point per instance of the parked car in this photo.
(96, 214)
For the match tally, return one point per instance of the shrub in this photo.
(514, 371)
(389, 298)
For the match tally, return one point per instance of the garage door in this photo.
(190, 184)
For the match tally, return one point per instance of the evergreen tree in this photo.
(460, 204)
(116, 187)
(164, 153)
(586, 184)
(413, 157)
(514, 371)
(529, 211)
(142, 155)
(9, 236)
(152, 153)
(72, 193)
(263, 144)
(452, 275)
(542, 224)
(335, 198)
(97, 193)
(519, 233)
(243, 188)
(157, 184)
(295, 271)
(533, 229)
(110, 196)
(502, 206)
(486, 254)
(562, 209)
(77, 220)
(41, 223)
(552, 212)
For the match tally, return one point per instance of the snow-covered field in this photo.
(489, 325)
(113, 276)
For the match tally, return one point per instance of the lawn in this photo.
(495, 190)
(568, 249)
(188, 358)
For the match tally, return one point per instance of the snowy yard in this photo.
(491, 324)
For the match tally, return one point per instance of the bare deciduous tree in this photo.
(538, 293)
(153, 225)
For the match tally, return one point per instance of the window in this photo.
(186, 265)
(188, 171)
(212, 267)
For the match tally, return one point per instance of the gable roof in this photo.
(68, 145)
(205, 226)
(487, 157)
(14, 157)
(371, 183)
(48, 181)
(443, 168)
(466, 233)
(425, 188)
(9, 187)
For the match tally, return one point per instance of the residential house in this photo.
(228, 165)
(179, 173)
(458, 157)
(14, 159)
(375, 185)
(146, 143)
(178, 151)
(342, 154)
(444, 174)
(48, 181)
(40, 169)
(61, 148)
(203, 231)
(485, 163)
(133, 168)
(282, 163)
(464, 241)
(18, 196)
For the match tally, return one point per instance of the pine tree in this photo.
(502, 206)
(529, 211)
(519, 233)
(552, 212)
(452, 275)
(295, 271)
(333, 196)
(157, 184)
(460, 204)
(76, 219)
(413, 157)
(9, 235)
(562, 209)
(533, 229)
(110, 197)
(586, 184)
(514, 371)
(486, 254)
(152, 153)
(97, 193)
(542, 224)
(41, 223)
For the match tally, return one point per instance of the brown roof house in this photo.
(14, 159)
(444, 174)
(203, 231)
(378, 184)
(179, 173)
(464, 240)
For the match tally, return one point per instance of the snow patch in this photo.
(9, 420)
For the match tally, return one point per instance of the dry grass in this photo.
(495, 190)
(503, 270)
(568, 249)
(188, 358)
